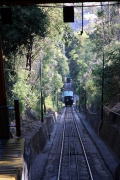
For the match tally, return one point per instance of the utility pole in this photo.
(4, 121)
(79, 97)
(57, 99)
(41, 90)
(102, 95)
(85, 98)
(103, 62)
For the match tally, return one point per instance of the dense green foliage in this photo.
(34, 57)
(27, 23)
(107, 46)
(95, 57)
(39, 50)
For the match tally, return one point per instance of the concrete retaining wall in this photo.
(110, 132)
(37, 140)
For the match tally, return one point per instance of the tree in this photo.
(18, 40)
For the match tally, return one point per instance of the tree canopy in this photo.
(39, 50)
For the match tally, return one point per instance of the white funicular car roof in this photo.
(68, 93)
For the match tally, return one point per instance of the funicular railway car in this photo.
(68, 79)
(68, 98)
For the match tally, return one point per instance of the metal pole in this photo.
(41, 106)
(57, 99)
(82, 19)
(85, 101)
(41, 90)
(79, 98)
(101, 124)
(17, 117)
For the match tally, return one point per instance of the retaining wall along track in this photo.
(37, 140)
(110, 131)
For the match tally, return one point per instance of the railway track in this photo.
(73, 155)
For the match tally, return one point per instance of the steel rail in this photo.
(90, 172)
(76, 160)
(96, 146)
(69, 159)
(61, 153)
(52, 143)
